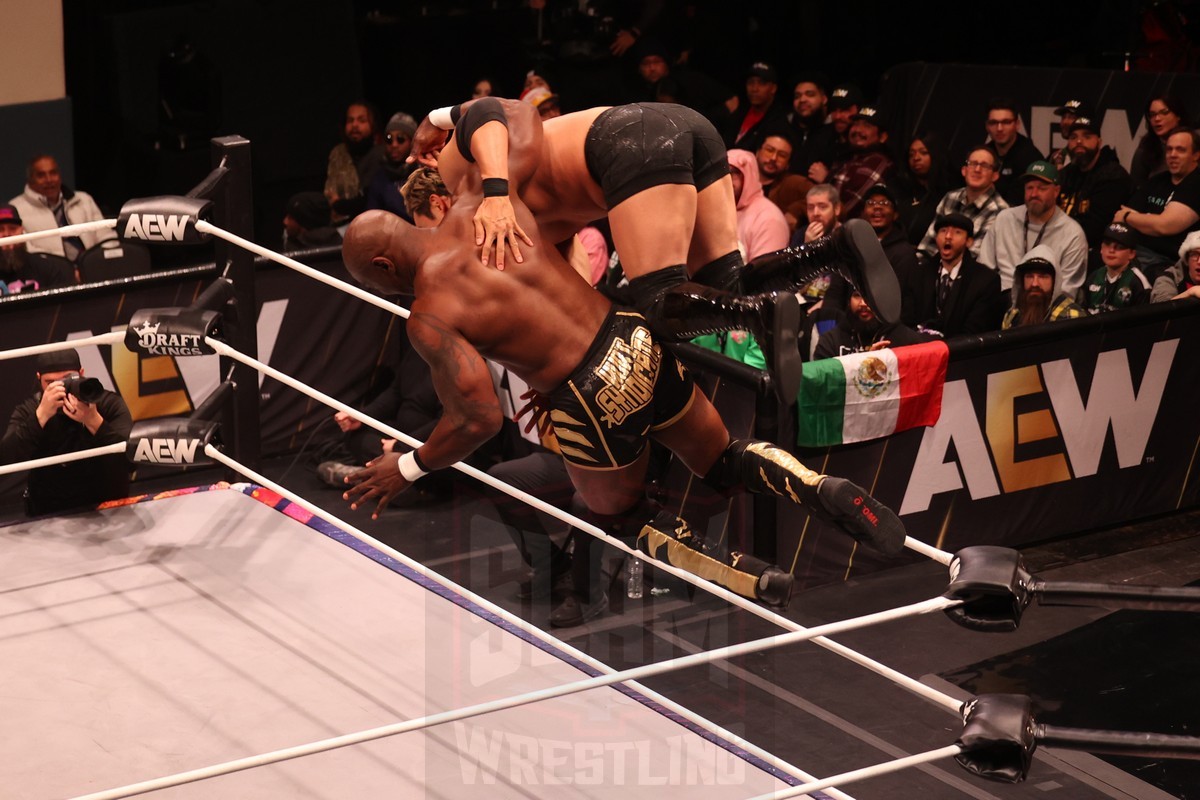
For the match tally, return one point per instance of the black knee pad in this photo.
(722, 273)
(646, 290)
(724, 476)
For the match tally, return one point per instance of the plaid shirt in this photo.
(1064, 308)
(858, 173)
(982, 212)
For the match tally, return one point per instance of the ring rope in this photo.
(372, 734)
(116, 337)
(875, 771)
(913, 685)
(66, 230)
(63, 458)
(207, 227)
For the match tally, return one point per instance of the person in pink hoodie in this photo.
(761, 226)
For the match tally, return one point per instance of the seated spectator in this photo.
(1038, 298)
(1165, 112)
(384, 189)
(1094, 184)
(953, 294)
(760, 114)
(409, 404)
(921, 182)
(1013, 149)
(545, 101)
(1181, 279)
(1067, 113)
(307, 223)
(23, 271)
(867, 164)
(881, 213)
(1167, 207)
(812, 137)
(859, 330)
(1038, 222)
(783, 188)
(978, 201)
(822, 205)
(46, 203)
(844, 103)
(1119, 283)
(54, 422)
(658, 78)
(760, 224)
(483, 88)
(353, 163)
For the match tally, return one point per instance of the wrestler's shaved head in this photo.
(379, 254)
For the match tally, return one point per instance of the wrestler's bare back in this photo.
(539, 321)
(560, 192)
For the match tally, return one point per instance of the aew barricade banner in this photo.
(1076, 426)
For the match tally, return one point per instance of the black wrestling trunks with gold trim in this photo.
(626, 386)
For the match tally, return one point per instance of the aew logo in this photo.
(166, 451)
(157, 227)
(151, 342)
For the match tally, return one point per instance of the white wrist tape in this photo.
(442, 118)
(409, 469)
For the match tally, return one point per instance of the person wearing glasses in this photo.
(1164, 113)
(1013, 149)
(978, 201)
(384, 189)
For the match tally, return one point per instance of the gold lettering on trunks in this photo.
(629, 371)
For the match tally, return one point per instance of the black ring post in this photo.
(234, 212)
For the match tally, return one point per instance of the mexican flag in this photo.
(869, 395)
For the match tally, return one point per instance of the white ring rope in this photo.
(66, 230)
(913, 685)
(885, 768)
(562, 690)
(63, 458)
(348, 288)
(116, 337)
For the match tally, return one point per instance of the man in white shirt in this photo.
(46, 204)
(1039, 221)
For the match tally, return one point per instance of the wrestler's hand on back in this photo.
(496, 227)
(427, 142)
(380, 480)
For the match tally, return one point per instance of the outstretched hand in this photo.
(427, 143)
(496, 227)
(380, 480)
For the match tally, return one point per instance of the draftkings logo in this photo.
(154, 343)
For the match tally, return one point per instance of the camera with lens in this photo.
(89, 390)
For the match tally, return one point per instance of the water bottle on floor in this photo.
(633, 578)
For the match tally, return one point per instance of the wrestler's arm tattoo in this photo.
(471, 410)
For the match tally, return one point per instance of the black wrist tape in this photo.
(495, 187)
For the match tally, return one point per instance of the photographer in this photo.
(57, 420)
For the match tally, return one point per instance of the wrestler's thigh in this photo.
(653, 228)
(698, 437)
(611, 491)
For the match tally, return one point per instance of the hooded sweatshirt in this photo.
(1062, 304)
(761, 226)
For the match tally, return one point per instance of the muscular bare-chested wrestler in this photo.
(660, 174)
(609, 386)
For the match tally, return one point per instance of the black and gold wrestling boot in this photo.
(764, 468)
(669, 539)
(852, 251)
